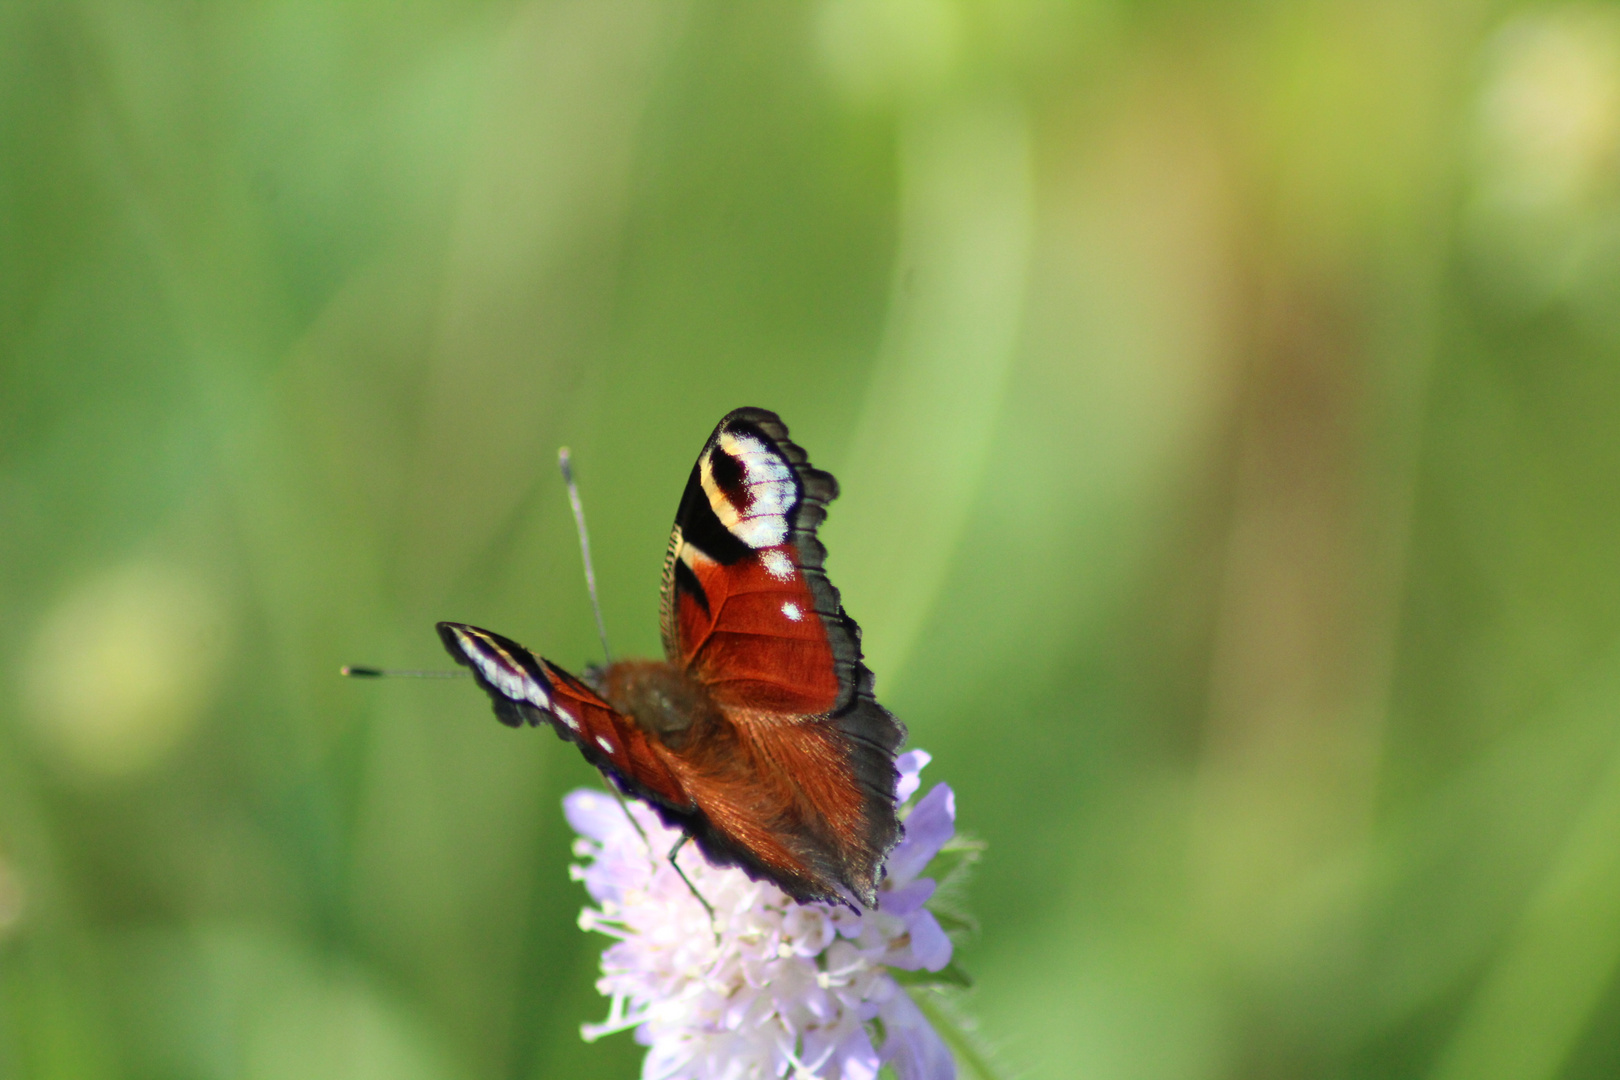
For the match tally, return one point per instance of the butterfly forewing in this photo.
(748, 610)
(746, 605)
(526, 688)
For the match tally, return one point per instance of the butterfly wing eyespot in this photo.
(527, 689)
(748, 611)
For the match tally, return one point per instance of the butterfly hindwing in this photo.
(527, 689)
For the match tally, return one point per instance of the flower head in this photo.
(768, 987)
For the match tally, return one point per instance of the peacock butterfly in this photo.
(757, 735)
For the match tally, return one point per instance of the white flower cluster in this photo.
(769, 988)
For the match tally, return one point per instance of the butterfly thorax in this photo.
(662, 699)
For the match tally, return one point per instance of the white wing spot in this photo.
(566, 717)
(777, 564)
(601, 740)
(791, 610)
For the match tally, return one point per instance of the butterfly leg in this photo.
(676, 850)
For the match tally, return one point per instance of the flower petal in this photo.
(910, 765)
(930, 824)
(911, 1045)
(907, 898)
(806, 929)
(595, 814)
(928, 946)
(857, 1057)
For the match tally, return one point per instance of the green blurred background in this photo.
(1226, 398)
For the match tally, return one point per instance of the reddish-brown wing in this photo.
(528, 689)
(749, 613)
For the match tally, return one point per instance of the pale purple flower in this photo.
(770, 988)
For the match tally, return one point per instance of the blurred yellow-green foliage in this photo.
(1226, 398)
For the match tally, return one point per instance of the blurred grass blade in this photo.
(1537, 998)
(923, 443)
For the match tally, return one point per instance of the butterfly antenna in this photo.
(566, 464)
(359, 671)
